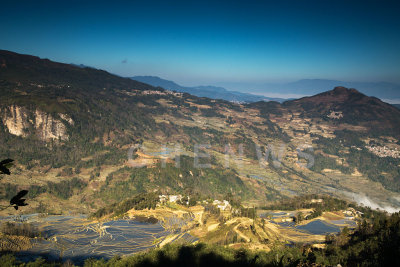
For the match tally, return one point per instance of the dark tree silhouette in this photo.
(4, 164)
(18, 201)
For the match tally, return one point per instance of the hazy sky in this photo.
(204, 42)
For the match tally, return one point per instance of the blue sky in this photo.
(206, 42)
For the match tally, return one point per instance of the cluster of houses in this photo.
(316, 200)
(48, 85)
(384, 151)
(155, 92)
(171, 198)
(352, 213)
(222, 205)
(150, 92)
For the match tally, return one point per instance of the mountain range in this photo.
(389, 92)
(82, 137)
(205, 91)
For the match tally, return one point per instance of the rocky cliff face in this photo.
(21, 121)
(16, 120)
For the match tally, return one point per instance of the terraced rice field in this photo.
(77, 238)
(314, 227)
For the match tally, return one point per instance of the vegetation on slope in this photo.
(170, 179)
(138, 202)
(348, 145)
(63, 189)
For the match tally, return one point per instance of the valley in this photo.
(199, 133)
(100, 154)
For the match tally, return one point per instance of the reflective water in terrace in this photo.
(316, 227)
(76, 238)
(319, 227)
(347, 222)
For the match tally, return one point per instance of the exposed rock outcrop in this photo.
(16, 120)
(21, 122)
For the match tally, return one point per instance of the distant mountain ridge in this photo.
(214, 92)
(383, 90)
(388, 92)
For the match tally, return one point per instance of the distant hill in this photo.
(213, 92)
(382, 90)
(362, 131)
(356, 108)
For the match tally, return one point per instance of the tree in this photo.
(299, 217)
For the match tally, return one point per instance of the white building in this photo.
(222, 205)
(175, 198)
(163, 198)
